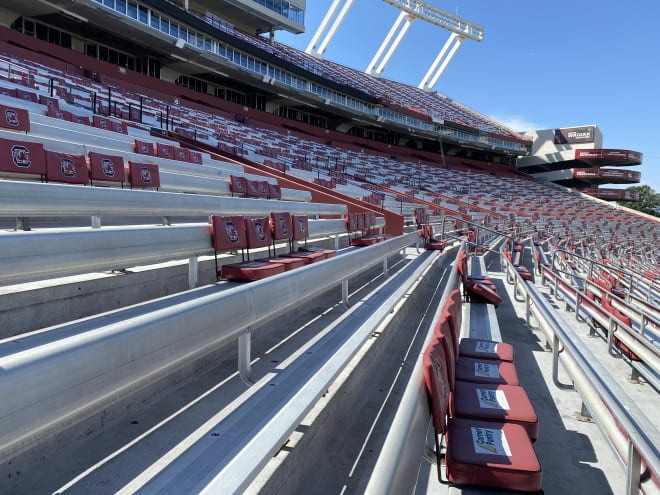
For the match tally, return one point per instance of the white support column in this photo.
(444, 57)
(404, 19)
(314, 48)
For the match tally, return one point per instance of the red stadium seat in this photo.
(144, 148)
(235, 232)
(14, 119)
(494, 454)
(143, 175)
(470, 347)
(22, 157)
(49, 101)
(104, 167)
(58, 113)
(238, 184)
(195, 157)
(182, 154)
(165, 151)
(64, 167)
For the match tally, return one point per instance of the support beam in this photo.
(316, 49)
(404, 19)
(441, 61)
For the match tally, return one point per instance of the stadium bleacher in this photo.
(162, 199)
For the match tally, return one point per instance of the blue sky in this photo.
(540, 65)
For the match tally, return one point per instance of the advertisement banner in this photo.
(571, 135)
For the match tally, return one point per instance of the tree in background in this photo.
(649, 200)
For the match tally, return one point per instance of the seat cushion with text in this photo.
(485, 453)
(104, 167)
(485, 371)
(68, 168)
(485, 349)
(165, 151)
(22, 157)
(491, 454)
(484, 402)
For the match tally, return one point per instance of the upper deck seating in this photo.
(494, 454)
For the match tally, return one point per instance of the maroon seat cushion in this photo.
(329, 253)
(491, 454)
(485, 371)
(508, 403)
(485, 349)
(364, 241)
(250, 270)
(288, 262)
(485, 292)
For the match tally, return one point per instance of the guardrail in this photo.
(633, 436)
(398, 464)
(45, 372)
(50, 253)
(30, 199)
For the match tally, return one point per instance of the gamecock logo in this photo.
(20, 155)
(232, 232)
(145, 174)
(68, 170)
(11, 117)
(107, 167)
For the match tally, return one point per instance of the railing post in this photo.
(385, 268)
(633, 476)
(344, 292)
(193, 267)
(244, 351)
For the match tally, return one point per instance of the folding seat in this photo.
(474, 370)
(471, 347)
(274, 191)
(481, 288)
(494, 454)
(236, 232)
(144, 148)
(22, 157)
(195, 157)
(57, 113)
(106, 168)
(143, 174)
(282, 230)
(238, 185)
(300, 225)
(165, 151)
(65, 167)
(181, 154)
(14, 119)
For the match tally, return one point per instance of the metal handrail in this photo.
(605, 399)
(43, 372)
(28, 199)
(396, 468)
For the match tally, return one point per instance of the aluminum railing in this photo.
(30, 199)
(628, 429)
(397, 467)
(50, 253)
(45, 372)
